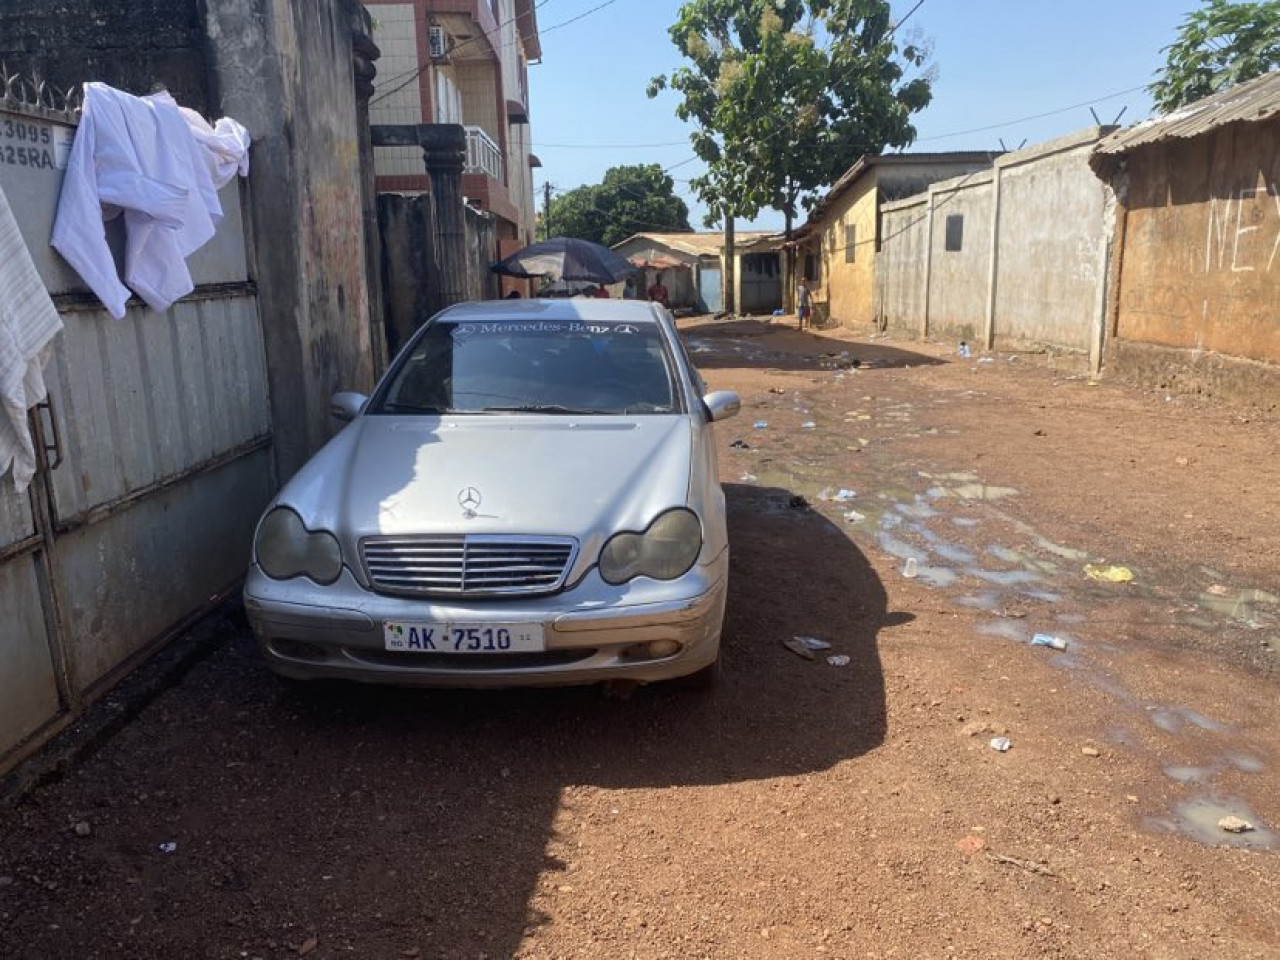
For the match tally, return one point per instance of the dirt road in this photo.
(802, 809)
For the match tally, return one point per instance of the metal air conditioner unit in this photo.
(437, 43)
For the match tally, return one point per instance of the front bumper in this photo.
(594, 632)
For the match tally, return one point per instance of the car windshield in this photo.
(533, 366)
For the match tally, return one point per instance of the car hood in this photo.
(585, 477)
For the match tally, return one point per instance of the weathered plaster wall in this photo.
(136, 45)
(899, 294)
(1052, 235)
(413, 265)
(1201, 259)
(959, 278)
(1052, 238)
(284, 68)
(847, 284)
(411, 272)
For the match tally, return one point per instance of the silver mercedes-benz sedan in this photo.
(530, 496)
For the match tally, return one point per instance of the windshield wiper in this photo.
(409, 408)
(541, 408)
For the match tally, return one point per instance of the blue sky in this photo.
(996, 61)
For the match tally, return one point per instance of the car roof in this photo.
(576, 308)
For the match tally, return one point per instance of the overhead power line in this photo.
(1036, 116)
(894, 28)
(415, 74)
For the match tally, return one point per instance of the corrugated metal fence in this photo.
(156, 460)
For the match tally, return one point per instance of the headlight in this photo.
(285, 548)
(665, 551)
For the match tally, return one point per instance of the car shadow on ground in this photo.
(390, 820)
(778, 345)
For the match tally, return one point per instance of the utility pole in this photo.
(546, 210)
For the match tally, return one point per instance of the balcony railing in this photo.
(483, 155)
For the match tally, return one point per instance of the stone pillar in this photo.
(444, 150)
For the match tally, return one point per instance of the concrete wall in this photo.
(848, 288)
(1031, 268)
(414, 263)
(135, 45)
(900, 269)
(482, 252)
(1197, 303)
(285, 70)
(958, 278)
(1053, 235)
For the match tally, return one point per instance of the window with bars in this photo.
(850, 242)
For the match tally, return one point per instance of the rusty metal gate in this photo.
(155, 456)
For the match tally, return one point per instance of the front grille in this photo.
(467, 566)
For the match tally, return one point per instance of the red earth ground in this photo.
(801, 809)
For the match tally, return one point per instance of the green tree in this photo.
(631, 199)
(1218, 46)
(787, 94)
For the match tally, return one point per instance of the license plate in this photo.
(423, 637)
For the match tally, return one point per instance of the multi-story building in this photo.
(464, 62)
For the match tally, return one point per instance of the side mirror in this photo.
(722, 404)
(347, 405)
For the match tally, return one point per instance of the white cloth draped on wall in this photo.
(160, 166)
(28, 323)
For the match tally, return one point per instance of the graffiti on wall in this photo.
(1243, 230)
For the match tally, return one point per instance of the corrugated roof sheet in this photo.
(1248, 102)
(695, 244)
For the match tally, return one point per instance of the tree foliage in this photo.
(787, 94)
(631, 199)
(1219, 45)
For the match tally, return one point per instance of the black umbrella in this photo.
(566, 258)
(567, 288)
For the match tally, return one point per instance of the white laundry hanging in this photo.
(28, 323)
(146, 158)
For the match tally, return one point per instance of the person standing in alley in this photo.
(658, 292)
(804, 304)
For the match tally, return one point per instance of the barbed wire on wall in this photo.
(37, 97)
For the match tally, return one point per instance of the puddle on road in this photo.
(1004, 629)
(1198, 818)
(1245, 763)
(936, 576)
(1173, 719)
(1006, 578)
(919, 510)
(903, 512)
(980, 601)
(901, 549)
(971, 491)
(1046, 596)
(1241, 606)
(1189, 774)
